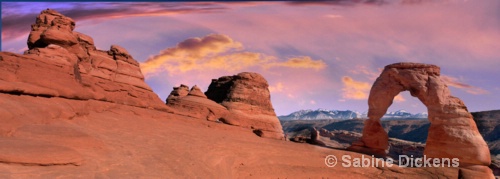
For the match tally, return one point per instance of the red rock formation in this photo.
(177, 93)
(195, 104)
(452, 134)
(246, 96)
(240, 100)
(63, 63)
(316, 137)
(65, 66)
(195, 91)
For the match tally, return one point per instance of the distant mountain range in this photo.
(488, 124)
(347, 114)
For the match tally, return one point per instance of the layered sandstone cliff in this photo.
(64, 63)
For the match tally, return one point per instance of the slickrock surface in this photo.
(63, 63)
(246, 96)
(453, 132)
(96, 139)
(33, 152)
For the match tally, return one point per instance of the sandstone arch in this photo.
(453, 132)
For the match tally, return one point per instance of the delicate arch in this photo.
(452, 133)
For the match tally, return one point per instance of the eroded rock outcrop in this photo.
(63, 63)
(177, 93)
(64, 67)
(196, 91)
(240, 100)
(195, 104)
(316, 137)
(247, 97)
(452, 134)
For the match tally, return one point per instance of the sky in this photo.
(313, 54)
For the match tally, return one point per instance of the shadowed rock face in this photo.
(452, 133)
(247, 97)
(63, 63)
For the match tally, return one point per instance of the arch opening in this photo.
(410, 121)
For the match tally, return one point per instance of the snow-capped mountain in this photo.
(321, 114)
(404, 114)
(347, 114)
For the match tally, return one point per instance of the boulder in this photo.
(316, 137)
(247, 97)
(452, 133)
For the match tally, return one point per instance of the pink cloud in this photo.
(455, 82)
(355, 89)
(15, 20)
(217, 51)
(359, 90)
(364, 70)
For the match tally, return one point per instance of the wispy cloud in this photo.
(355, 89)
(333, 16)
(364, 70)
(300, 62)
(359, 90)
(338, 2)
(457, 83)
(217, 51)
(16, 18)
(277, 88)
(364, 2)
(399, 98)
